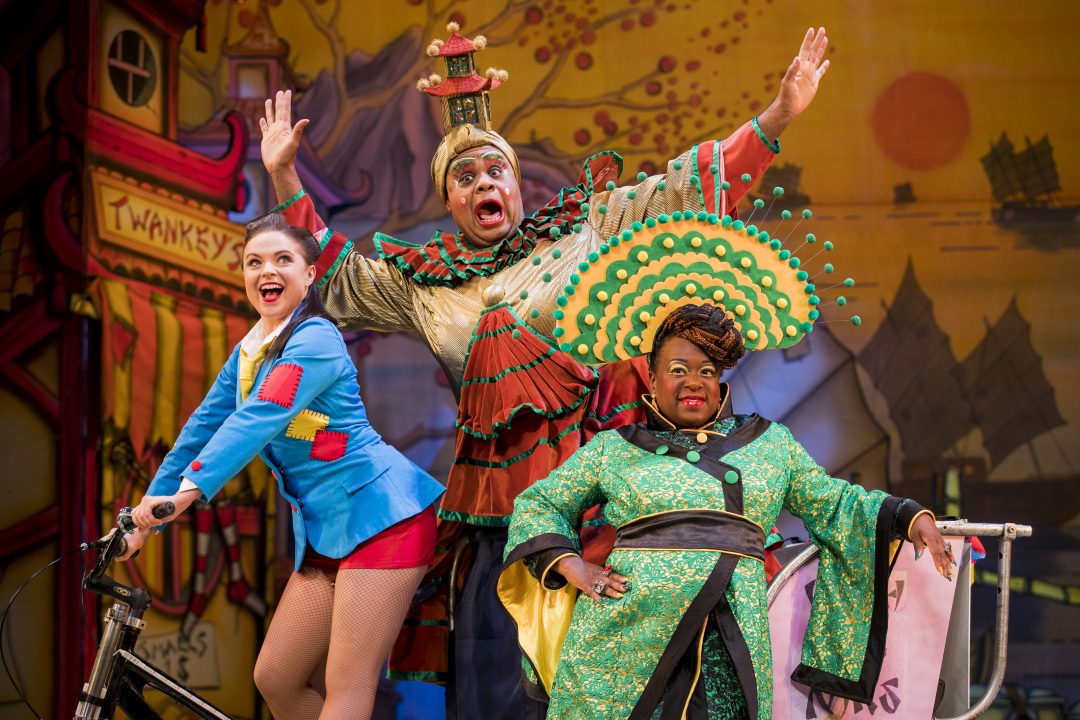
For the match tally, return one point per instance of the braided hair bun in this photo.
(708, 327)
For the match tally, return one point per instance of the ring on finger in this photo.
(599, 586)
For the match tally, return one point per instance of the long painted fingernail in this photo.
(916, 554)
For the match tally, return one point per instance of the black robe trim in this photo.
(862, 689)
(676, 677)
(547, 548)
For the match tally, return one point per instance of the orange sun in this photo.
(921, 121)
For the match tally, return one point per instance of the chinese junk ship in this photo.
(1024, 183)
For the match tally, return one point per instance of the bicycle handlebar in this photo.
(97, 581)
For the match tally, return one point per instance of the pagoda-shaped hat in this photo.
(466, 103)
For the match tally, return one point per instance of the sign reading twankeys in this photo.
(163, 228)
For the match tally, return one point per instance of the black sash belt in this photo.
(694, 530)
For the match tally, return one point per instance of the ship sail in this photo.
(912, 364)
(1038, 173)
(1001, 168)
(1010, 398)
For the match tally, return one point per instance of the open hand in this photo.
(800, 83)
(280, 138)
(587, 578)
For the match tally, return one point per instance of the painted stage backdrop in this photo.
(940, 157)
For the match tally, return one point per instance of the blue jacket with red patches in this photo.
(302, 414)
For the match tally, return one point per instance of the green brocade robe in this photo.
(690, 638)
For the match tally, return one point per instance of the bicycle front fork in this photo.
(94, 701)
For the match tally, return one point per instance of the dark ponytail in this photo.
(311, 305)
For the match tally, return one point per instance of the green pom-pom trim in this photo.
(556, 253)
(604, 248)
(536, 260)
(516, 334)
(565, 347)
(662, 185)
(801, 275)
(677, 164)
(693, 456)
(636, 226)
(642, 176)
(609, 185)
(662, 450)
(785, 254)
(828, 268)
(746, 177)
(576, 227)
(558, 314)
(828, 245)
(524, 294)
(774, 244)
(663, 219)
(777, 191)
(534, 313)
(626, 235)
(676, 216)
(849, 282)
(751, 230)
(702, 216)
(785, 214)
(713, 219)
(807, 214)
(614, 241)
(726, 221)
(738, 225)
(632, 195)
(583, 266)
(759, 203)
(809, 289)
(568, 290)
(694, 181)
(602, 209)
(763, 236)
(650, 222)
(558, 332)
(856, 320)
(814, 300)
(841, 301)
(714, 168)
(593, 257)
(794, 262)
(584, 208)
(725, 185)
(811, 238)
(731, 477)
(807, 326)
(814, 314)
(574, 278)
(561, 301)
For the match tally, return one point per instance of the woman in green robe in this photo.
(676, 624)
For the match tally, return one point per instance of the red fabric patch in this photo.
(280, 385)
(196, 465)
(328, 445)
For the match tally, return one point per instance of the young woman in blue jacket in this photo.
(362, 513)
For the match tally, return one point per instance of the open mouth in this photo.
(271, 291)
(489, 213)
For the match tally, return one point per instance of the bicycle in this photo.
(119, 676)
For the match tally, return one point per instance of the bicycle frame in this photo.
(119, 675)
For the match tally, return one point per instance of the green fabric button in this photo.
(662, 450)
(731, 477)
(693, 456)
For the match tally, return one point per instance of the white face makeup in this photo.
(483, 195)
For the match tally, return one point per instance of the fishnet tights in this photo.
(350, 623)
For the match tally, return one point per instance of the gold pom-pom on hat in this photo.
(452, 27)
(464, 93)
(479, 42)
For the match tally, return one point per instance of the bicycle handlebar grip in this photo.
(163, 510)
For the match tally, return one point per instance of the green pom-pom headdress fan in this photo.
(613, 307)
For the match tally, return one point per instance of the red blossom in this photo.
(720, 48)
(542, 54)
(653, 87)
(583, 60)
(647, 19)
(627, 23)
(533, 15)
(693, 65)
(582, 136)
(666, 64)
(458, 18)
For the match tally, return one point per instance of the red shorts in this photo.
(407, 544)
